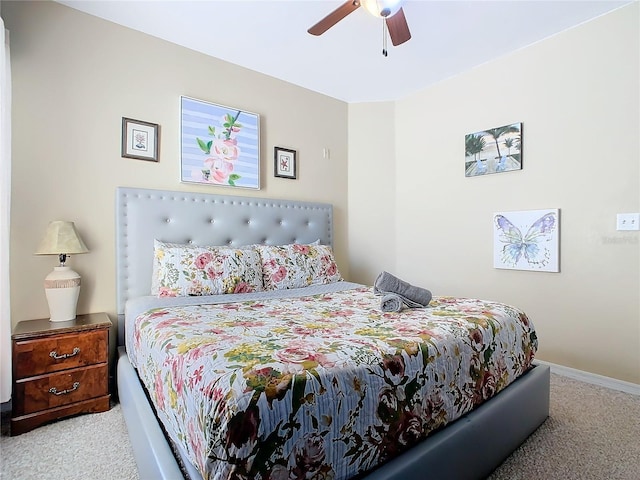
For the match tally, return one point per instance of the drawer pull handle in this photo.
(55, 355)
(64, 392)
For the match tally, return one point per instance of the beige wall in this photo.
(372, 190)
(411, 210)
(74, 77)
(577, 95)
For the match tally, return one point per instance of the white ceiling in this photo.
(448, 37)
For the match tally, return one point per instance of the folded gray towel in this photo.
(412, 296)
(391, 302)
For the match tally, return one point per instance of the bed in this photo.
(471, 445)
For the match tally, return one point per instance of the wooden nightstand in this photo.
(59, 369)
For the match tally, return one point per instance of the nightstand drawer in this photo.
(61, 352)
(49, 391)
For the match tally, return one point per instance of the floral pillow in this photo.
(185, 270)
(296, 266)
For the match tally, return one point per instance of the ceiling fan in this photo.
(389, 10)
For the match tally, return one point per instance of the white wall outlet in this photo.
(628, 221)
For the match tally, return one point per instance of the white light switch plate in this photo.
(628, 221)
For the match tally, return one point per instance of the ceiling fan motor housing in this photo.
(382, 8)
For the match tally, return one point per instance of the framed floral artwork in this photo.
(219, 145)
(284, 162)
(139, 139)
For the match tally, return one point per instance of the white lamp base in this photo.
(62, 287)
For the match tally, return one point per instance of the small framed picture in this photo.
(139, 139)
(284, 162)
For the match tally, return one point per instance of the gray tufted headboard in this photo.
(143, 215)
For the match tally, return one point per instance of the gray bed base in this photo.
(470, 448)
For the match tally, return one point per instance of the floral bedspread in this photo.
(324, 386)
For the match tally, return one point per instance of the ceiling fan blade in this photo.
(398, 28)
(334, 17)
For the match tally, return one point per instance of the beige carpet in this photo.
(86, 447)
(592, 433)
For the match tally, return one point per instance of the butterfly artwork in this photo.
(527, 240)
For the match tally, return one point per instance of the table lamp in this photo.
(62, 286)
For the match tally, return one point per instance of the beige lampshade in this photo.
(61, 238)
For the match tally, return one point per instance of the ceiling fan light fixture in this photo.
(382, 8)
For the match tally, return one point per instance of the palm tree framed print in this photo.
(494, 150)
